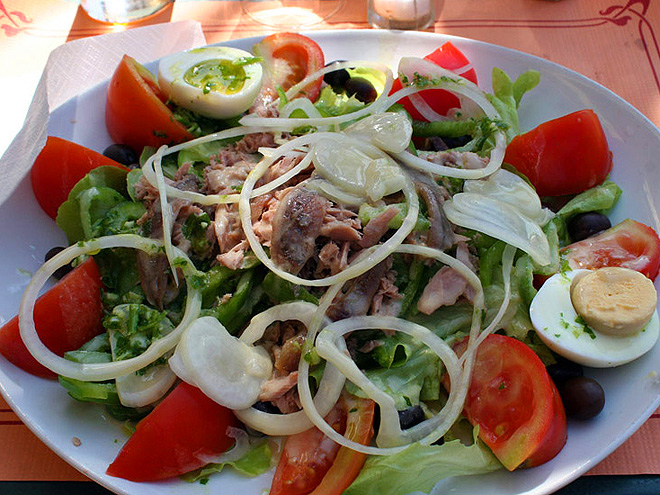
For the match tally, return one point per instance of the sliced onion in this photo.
(103, 371)
(389, 131)
(166, 212)
(240, 448)
(355, 269)
(510, 188)
(144, 388)
(227, 370)
(501, 221)
(330, 387)
(425, 109)
(428, 431)
(507, 265)
(195, 197)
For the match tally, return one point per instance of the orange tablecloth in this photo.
(611, 41)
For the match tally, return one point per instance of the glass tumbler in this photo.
(122, 11)
(291, 14)
(401, 14)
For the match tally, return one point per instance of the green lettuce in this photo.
(507, 95)
(419, 467)
(253, 463)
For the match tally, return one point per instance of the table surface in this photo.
(614, 42)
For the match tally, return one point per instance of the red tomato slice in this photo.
(515, 403)
(306, 458)
(348, 463)
(567, 155)
(59, 166)
(288, 59)
(441, 101)
(66, 317)
(135, 112)
(630, 244)
(178, 436)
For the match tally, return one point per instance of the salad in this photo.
(319, 232)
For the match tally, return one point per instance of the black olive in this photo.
(61, 271)
(337, 78)
(585, 225)
(583, 397)
(564, 369)
(439, 143)
(121, 153)
(267, 407)
(411, 417)
(361, 88)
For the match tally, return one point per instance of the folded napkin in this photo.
(77, 66)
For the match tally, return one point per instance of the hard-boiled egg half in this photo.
(601, 318)
(215, 81)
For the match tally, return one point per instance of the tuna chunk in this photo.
(296, 225)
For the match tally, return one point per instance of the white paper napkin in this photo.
(77, 66)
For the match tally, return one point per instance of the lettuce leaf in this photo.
(419, 467)
(255, 462)
(410, 382)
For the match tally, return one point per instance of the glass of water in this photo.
(122, 11)
(291, 14)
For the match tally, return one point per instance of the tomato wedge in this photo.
(59, 166)
(288, 59)
(306, 458)
(66, 317)
(441, 101)
(348, 463)
(135, 112)
(178, 436)
(630, 244)
(567, 155)
(515, 403)
(313, 464)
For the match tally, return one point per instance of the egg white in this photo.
(554, 319)
(214, 104)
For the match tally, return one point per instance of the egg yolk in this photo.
(219, 75)
(614, 300)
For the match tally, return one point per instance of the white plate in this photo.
(632, 391)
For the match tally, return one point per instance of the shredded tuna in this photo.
(387, 300)
(376, 228)
(296, 225)
(457, 159)
(333, 258)
(340, 224)
(440, 234)
(277, 386)
(289, 402)
(446, 286)
(356, 299)
(157, 284)
(233, 259)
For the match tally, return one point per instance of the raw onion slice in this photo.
(104, 371)
(500, 220)
(507, 265)
(195, 197)
(355, 269)
(144, 388)
(331, 347)
(456, 84)
(330, 387)
(226, 369)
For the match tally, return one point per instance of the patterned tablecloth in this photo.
(613, 42)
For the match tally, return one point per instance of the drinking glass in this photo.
(401, 14)
(122, 11)
(291, 14)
